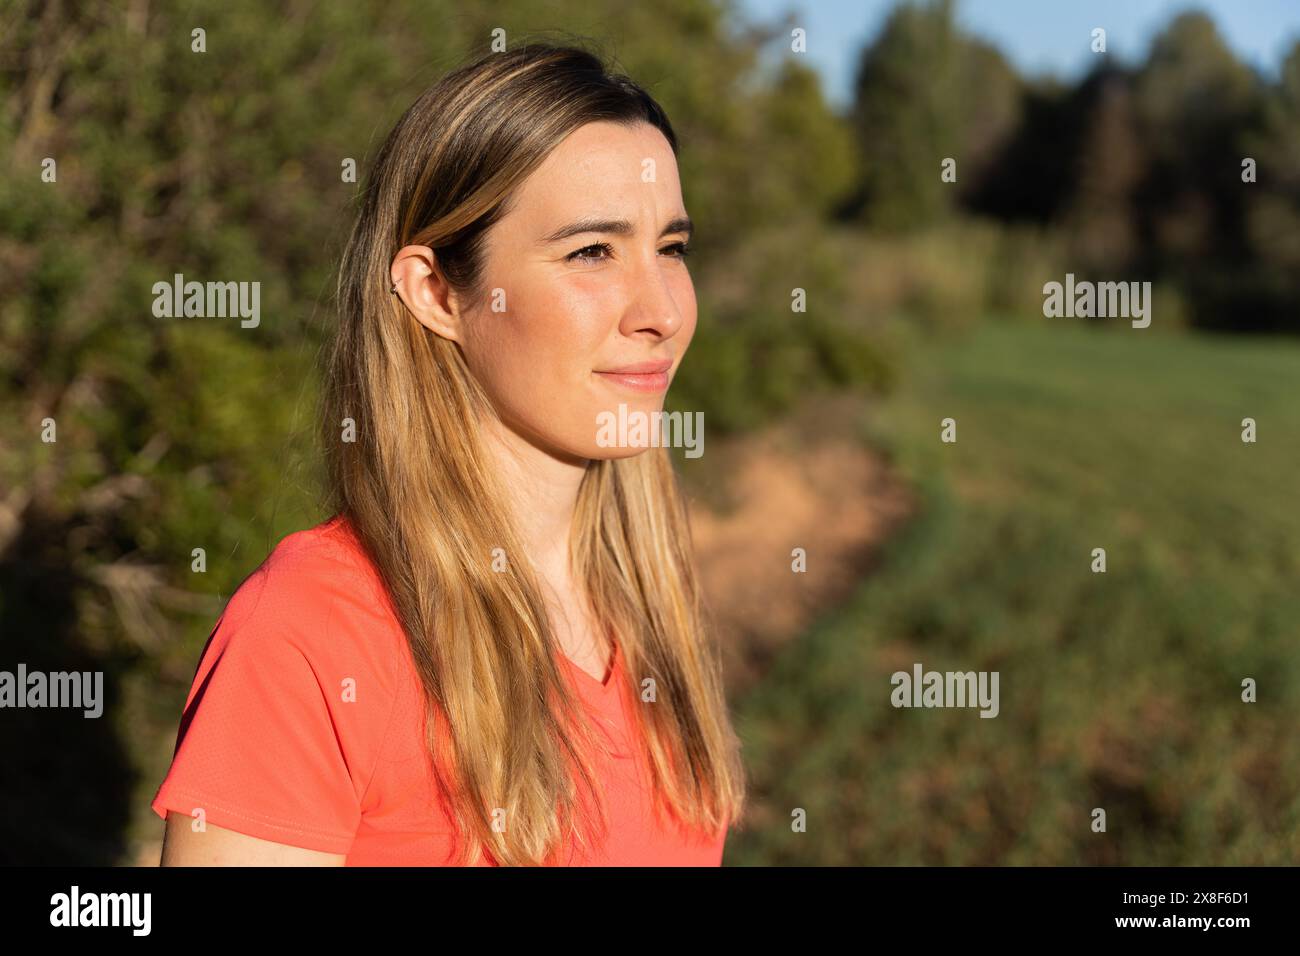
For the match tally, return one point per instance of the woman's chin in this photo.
(613, 454)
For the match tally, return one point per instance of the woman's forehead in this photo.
(602, 170)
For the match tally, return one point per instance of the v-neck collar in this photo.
(602, 686)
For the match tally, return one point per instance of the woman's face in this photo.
(584, 277)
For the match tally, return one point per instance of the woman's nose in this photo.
(652, 304)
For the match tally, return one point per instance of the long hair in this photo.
(507, 738)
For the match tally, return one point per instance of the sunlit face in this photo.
(584, 277)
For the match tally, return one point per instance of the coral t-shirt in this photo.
(304, 726)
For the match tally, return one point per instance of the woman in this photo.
(494, 652)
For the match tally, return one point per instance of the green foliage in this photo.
(753, 357)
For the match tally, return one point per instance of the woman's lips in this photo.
(641, 377)
(638, 381)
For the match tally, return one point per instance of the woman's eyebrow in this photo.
(618, 227)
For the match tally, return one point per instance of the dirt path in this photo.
(795, 486)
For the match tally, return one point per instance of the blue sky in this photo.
(1039, 36)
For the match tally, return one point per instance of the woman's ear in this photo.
(425, 292)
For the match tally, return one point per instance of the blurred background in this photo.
(811, 160)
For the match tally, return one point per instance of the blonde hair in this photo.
(504, 730)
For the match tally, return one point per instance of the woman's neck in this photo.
(542, 492)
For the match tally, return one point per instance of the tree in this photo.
(925, 93)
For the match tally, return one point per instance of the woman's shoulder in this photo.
(329, 550)
(290, 707)
(324, 559)
(318, 591)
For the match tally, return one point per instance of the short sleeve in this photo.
(289, 707)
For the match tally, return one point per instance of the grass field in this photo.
(1120, 690)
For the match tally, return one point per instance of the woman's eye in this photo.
(590, 253)
(603, 250)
